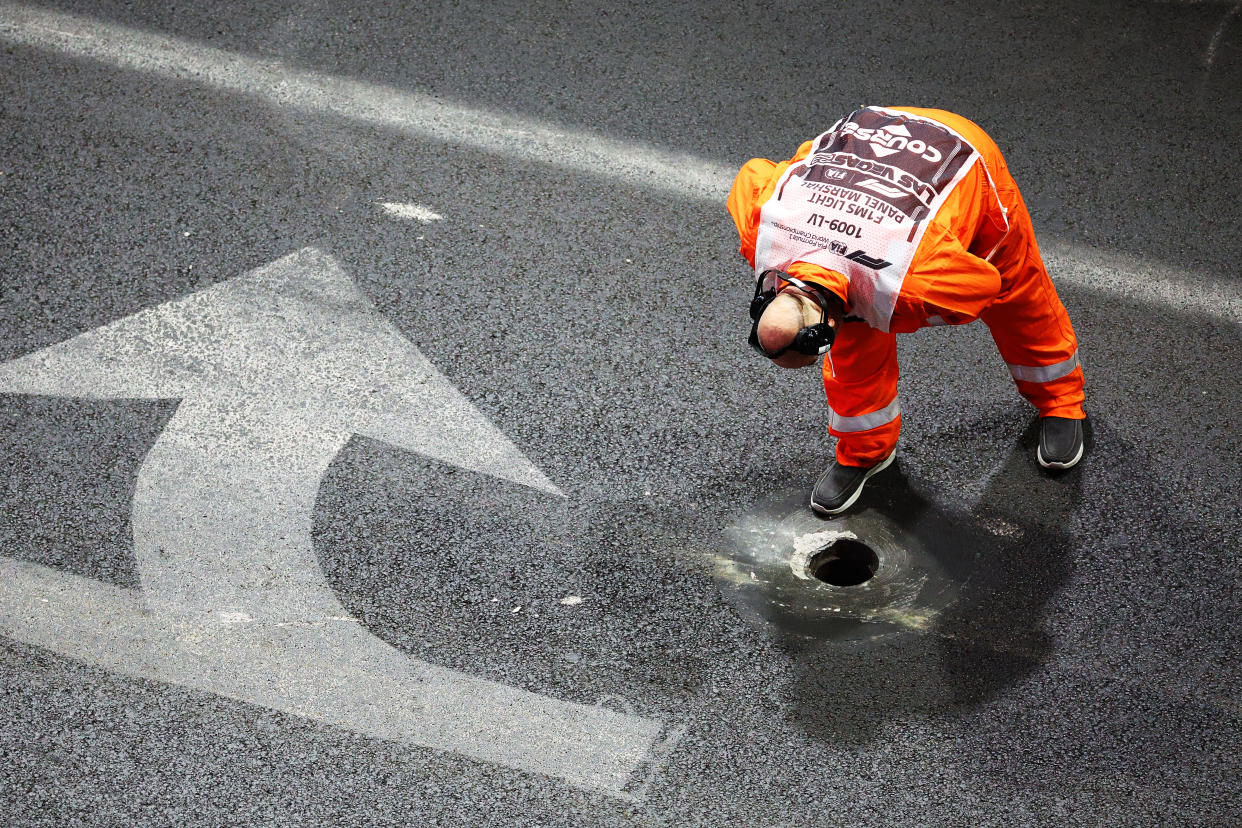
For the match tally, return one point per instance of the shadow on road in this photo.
(1009, 557)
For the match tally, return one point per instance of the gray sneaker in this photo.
(839, 486)
(1060, 442)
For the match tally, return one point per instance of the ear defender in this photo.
(758, 305)
(816, 339)
(767, 286)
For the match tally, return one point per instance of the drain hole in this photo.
(844, 562)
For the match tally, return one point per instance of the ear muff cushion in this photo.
(815, 339)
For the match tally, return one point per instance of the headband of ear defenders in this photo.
(813, 339)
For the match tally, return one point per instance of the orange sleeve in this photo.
(803, 151)
(751, 188)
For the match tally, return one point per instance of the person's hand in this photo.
(787, 314)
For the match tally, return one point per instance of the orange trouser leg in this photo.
(860, 378)
(1028, 321)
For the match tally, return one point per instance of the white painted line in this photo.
(275, 371)
(377, 105)
(414, 212)
(338, 674)
(1209, 57)
(629, 162)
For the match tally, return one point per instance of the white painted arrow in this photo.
(275, 371)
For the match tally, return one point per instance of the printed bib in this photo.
(858, 203)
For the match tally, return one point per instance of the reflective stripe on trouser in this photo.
(860, 378)
(864, 422)
(1044, 373)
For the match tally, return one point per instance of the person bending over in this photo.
(894, 219)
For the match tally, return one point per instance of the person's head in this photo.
(794, 322)
(778, 327)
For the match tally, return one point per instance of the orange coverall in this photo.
(948, 282)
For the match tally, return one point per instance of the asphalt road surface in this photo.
(379, 443)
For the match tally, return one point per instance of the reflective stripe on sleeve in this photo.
(1044, 373)
(864, 422)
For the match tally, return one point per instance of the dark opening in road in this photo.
(844, 562)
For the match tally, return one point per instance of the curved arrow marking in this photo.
(275, 371)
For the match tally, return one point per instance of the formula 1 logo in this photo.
(866, 261)
(891, 139)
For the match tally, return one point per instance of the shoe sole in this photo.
(1053, 464)
(881, 466)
